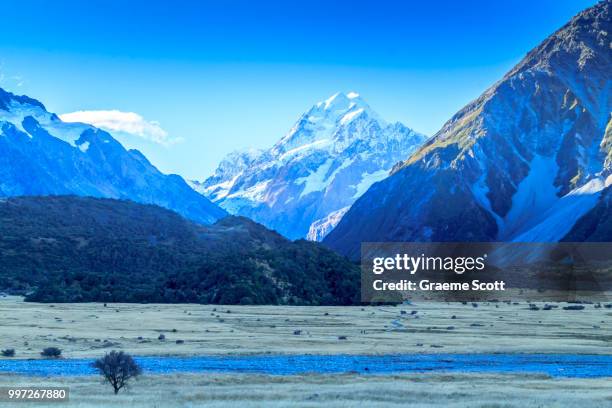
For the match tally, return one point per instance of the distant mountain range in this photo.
(303, 184)
(80, 249)
(526, 161)
(41, 155)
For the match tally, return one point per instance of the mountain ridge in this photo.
(42, 155)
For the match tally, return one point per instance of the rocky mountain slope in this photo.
(41, 155)
(302, 185)
(82, 249)
(523, 162)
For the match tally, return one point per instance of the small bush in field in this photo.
(8, 352)
(51, 352)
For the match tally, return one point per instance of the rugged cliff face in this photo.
(302, 186)
(522, 162)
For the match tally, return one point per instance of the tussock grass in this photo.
(88, 329)
(254, 391)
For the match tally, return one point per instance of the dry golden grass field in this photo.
(321, 391)
(90, 330)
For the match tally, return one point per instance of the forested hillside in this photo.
(78, 249)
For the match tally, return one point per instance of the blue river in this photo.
(555, 365)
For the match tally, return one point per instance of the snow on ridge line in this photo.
(338, 97)
(350, 116)
(317, 144)
(67, 132)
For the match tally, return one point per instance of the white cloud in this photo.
(124, 122)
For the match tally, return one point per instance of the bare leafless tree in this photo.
(117, 368)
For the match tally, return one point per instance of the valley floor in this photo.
(90, 330)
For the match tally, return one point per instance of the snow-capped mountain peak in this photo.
(318, 127)
(330, 156)
(341, 101)
(15, 110)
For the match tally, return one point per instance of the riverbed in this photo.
(554, 365)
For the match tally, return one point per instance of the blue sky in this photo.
(208, 77)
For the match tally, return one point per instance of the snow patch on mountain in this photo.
(535, 195)
(316, 180)
(320, 228)
(559, 219)
(84, 146)
(367, 179)
(254, 193)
